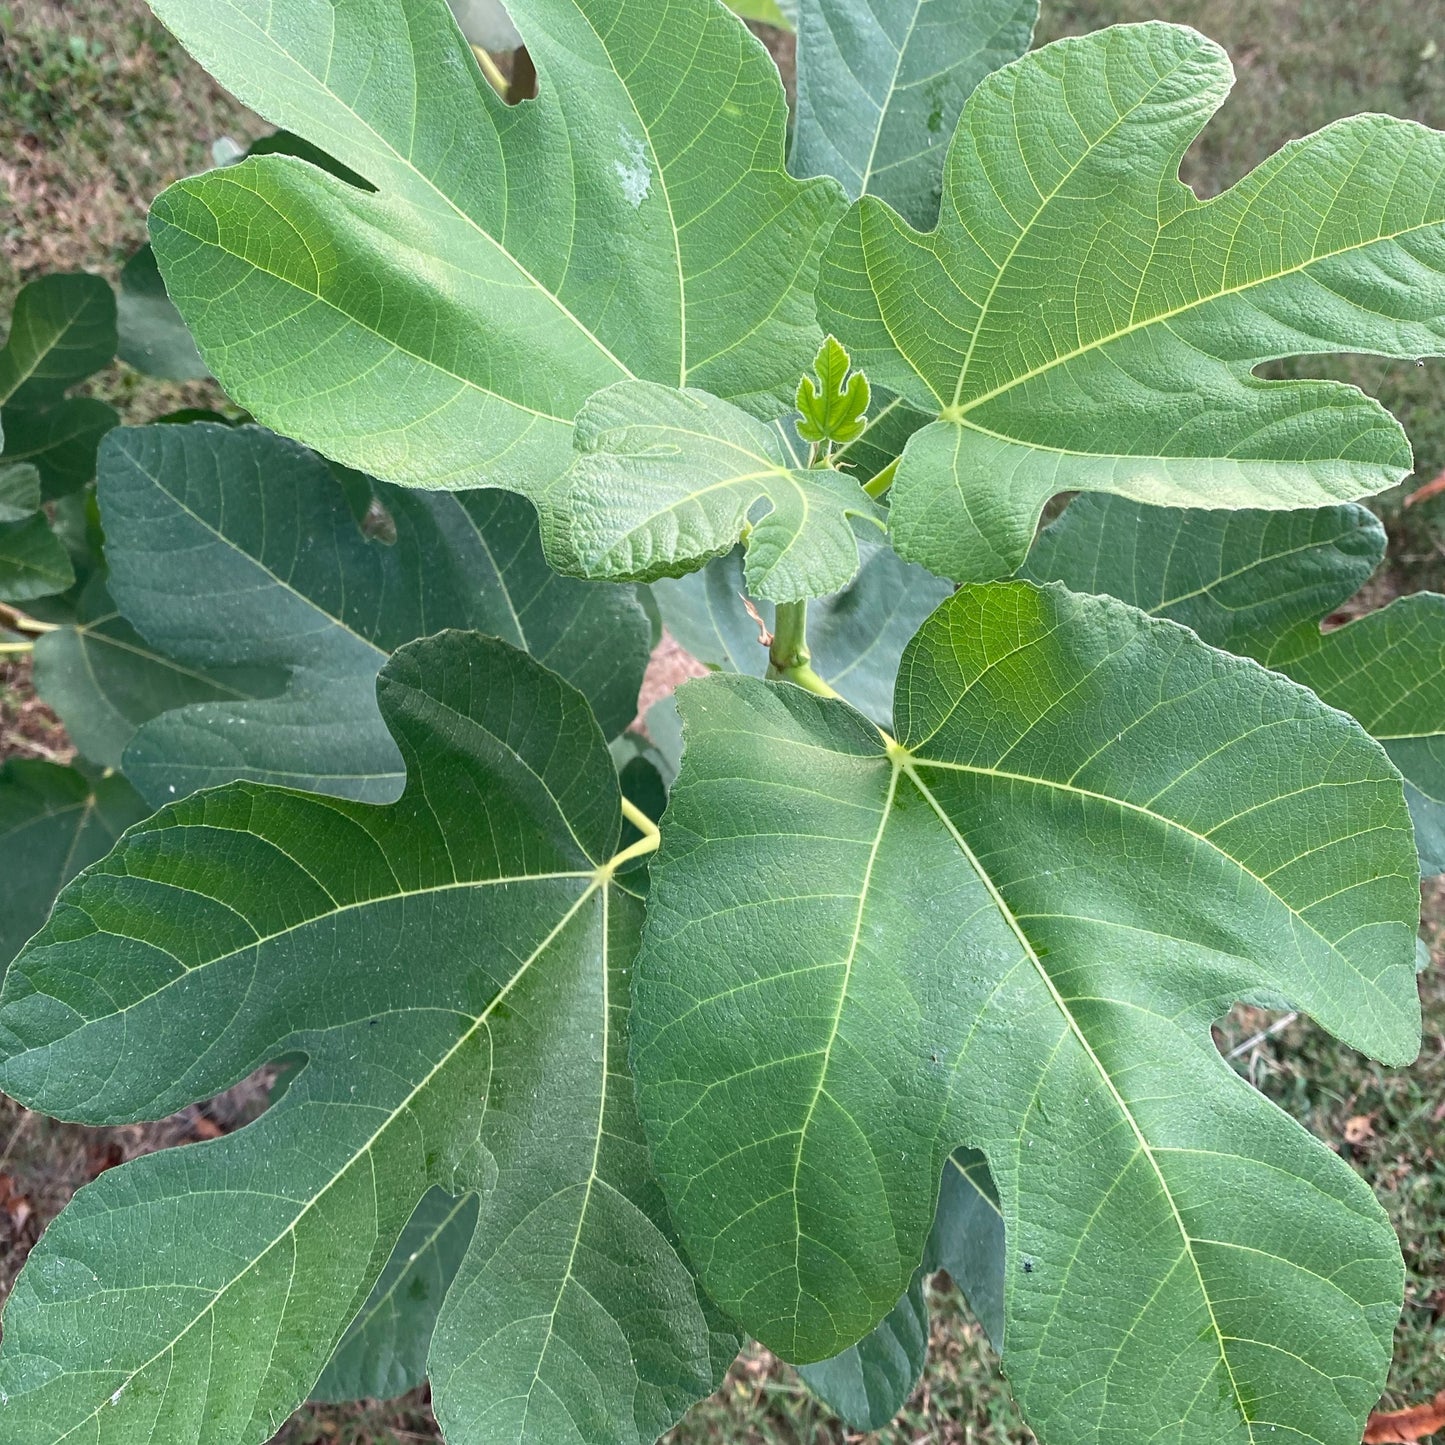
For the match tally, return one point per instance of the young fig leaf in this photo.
(665, 480)
(834, 405)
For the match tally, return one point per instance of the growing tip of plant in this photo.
(833, 401)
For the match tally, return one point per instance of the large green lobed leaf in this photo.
(635, 220)
(1081, 320)
(456, 969)
(1013, 928)
(1259, 583)
(248, 611)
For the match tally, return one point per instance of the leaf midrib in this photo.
(866, 174)
(1045, 202)
(1143, 811)
(1163, 317)
(908, 766)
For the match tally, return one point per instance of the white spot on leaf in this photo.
(633, 170)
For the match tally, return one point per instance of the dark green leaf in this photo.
(61, 331)
(60, 441)
(455, 967)
(1259, 583)
(153, 338)
(54, 821)
(105, 681)
(1081, 320)
(1013, 929)
(870, 1383)
(968, 1239)
(881, 84)
(383, 1352)
(33, 563)
(231, 548)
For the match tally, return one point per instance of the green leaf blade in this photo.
(268, 611)
(665, 480)
(870, 1383)
(294, 922)
(61, 441)
(383, 1352)
(54, 821)
(152, 336)
(881, 85)
(1013, 930)
(468, 307)
(1101, 323)
(33, 561)
(1259, 584)
(61, 330)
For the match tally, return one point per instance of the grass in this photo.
(101, 109)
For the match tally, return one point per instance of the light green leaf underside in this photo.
(454, 967)
(1014, 930)
(267, 611)
(54, 821)
(1080, 320)
(19, 491)
(665, 480)
(856, 636)
(443, 330)
(881, 84)
(1260, 583)
(383, 1352)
